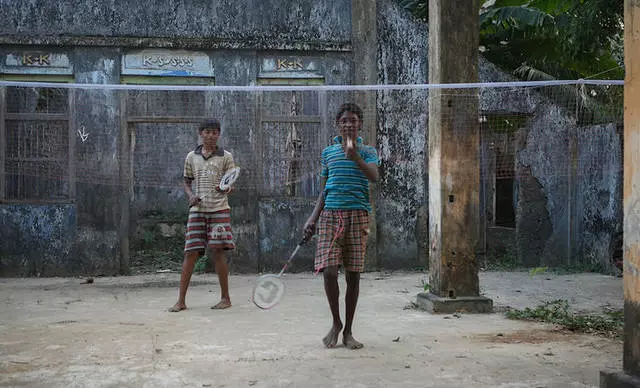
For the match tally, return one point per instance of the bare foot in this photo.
(223, 304)
(350, 342)
(178, 307)
(331, 339)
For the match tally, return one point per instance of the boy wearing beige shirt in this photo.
(209, 222)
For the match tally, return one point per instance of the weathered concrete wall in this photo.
(564, 217)
(265, 226)
(503, 100)
(497, 244)
(542, 162)
(250, 20)
(546, 156)
(402, 123)
(280, 224)
(86, 239)
(97, 113)
(281, 218)
(543, 225)
(158, 159)
(36, 240)
(237, 115)
(569, 215)
(598, 201)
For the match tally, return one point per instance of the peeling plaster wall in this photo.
(402, 123)
(504, 100)
(95, 35)
(253, 20)
(598, 211)
(37, 240)
(78, 237)
(97, 113)
(546, 156)
(561, 218)
(547, 231)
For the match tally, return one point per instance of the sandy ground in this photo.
(117, 333)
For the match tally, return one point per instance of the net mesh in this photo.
(546, 150)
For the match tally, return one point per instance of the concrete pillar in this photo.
(365, 58)
(630, 376)
(454, 168)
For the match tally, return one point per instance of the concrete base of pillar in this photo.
(467, 304)
(611, 379)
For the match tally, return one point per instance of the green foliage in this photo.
(583, 267)
(503, 263)
(502, 259)
(557, 312)
(537, 270)
(148, 238)
(566, 39)
(201, 264)
(512, 17)
(151, 251)
(152, 260)
(595, 104)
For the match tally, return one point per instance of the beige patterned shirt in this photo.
(206, 175)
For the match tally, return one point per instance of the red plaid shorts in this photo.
(342, 239)
(209, 229)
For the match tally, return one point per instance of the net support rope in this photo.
(286, 88)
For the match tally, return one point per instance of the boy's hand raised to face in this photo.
(350, 150)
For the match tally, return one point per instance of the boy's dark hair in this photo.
(349, 107)
(209, 124)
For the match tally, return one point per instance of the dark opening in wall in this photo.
(504, 196)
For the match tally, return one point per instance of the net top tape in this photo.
(276, 88)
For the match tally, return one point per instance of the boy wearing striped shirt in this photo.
(209, 222)
(342, 217)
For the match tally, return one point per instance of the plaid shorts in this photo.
(209, 228)
(342, 239)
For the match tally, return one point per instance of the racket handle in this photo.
(304, 240)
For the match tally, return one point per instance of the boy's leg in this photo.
(189, 262)
(351, 301)
(220, 239)
(332, 289)
(222, 269)
(328, 259)
(354, 255)
(194, 246)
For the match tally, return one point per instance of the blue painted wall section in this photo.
(37, 240)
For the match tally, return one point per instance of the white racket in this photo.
(229, 178)
(270, 288)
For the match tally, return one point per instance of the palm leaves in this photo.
(589, 104)
(565, 39)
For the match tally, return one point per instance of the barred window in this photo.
(35, 141)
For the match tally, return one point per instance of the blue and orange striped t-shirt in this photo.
(347, 188)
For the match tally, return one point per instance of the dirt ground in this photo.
(116, 333)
